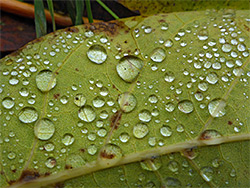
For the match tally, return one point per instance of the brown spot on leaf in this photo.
(106, 155)
(47, 173)
(115, 119)
(82, 150)
(76, 69)
(28, 175)
(56, 95)
(229, 122)
(189, 153)
(246, 28)
(72, 29)
(14, 171)
(68, 166)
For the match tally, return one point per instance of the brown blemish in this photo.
(82, 150)
(115, 119)
(189, 153)
(247, 28)
(56, 73)
(47, 173)
(14, 171)
(76, 69)
(72, 29)
(68, 167)
(106, 155)
(229, 122)
(28, 175)
(56, 95)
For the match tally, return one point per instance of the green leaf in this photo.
(40, 19)
(150, 7)
(158, 101)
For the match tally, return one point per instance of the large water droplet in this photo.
(226, 47)
(87, 114)
(217, 108)
(207, 173)
(127, 101)
(129, 68)
(44, 129)
(80, 100)
(68, 139)
(186, 106)
(158, 55)
(45, 80)
(151, 164)
(97, 54)
(145, 115)
(28, 115)
(8, 103)
(212, 78)
(140, 130)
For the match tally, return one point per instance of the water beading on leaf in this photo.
(160, 101)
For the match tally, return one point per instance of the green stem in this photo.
(107, 9)
(51, 10)
(89, 12)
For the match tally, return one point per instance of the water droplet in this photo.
(217, 108)
(45, 80)
(152, 141)
(92, 149)
(102, 132)
(210, 134)
(180, 128)
(44, 129)
(127, 102)
(166, 131)
(147, 29)
(151, 164)
(13, 80)
(169, 43)
(145, 116)
(68, 139)
(241, 47)
(24, 92)
(153, 99)
(226, 47)
(173, 166)
(87, 114)
(186, 106)
(74, 161)
(124, 137)
(155, 112)
(11, 155)
(129, 68)
(207, 173)
(212, 78)
(164, 26)
(98, 102)
(140, 130)
(158, 55)
(171, 182)
(198, 96)
(169, 76)
(170, 107)
(51, 162)
(104, 114)
(203, 34)
(49, 147)
(233, 173)
(80, 100)
(28, 115)
(8, 103)
(97, 54)
(64, 99)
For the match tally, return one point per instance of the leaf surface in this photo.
(144, 101)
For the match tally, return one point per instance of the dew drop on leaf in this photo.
(166, 131)
(80, 100)
(110, 154)
(129, 68)
(68, 139)
(124, 137)
(98, 102)
(158, 55)
(97, 54)
(45, 80)
(145, 116)
(92, 149)
(212, 78)
(217, 108)
(28, 115)
(169, 76)
(8, 103)
(151, 164)
(44, 129)
(203, 34)
(226, 47)
(87, 113)
(50, 162)
(207, 173)
(127, 102)
(140, 130)
(49, 147)
(186, 106)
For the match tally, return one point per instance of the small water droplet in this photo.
(51, 162)
(233, 173)
(153, 99)
(49, 147)
(186, 106)
(173, 166)
(226, 47)
(203, 34)
(168, 43)
(171, 182)
(127, 101)
(64, 99)
(207, 173)
(129, 68)
(92, 149)
(97, 54)
(28, 115)
(158, 55)
(217, 108)
(140, 130)
(169, 76)
(11, 155)
(45, 80)
(80, 100)
(151, 164)
(68, 139)
(170, 107)
(198, 96)
(110, 155)
(87, 113)
(164, 26)
(98, 102)
(180, 128)
(166, 131)
(8, 103)
(145, 116)
(44, 129)
(24, 92)
(124, 137)
(212, 78)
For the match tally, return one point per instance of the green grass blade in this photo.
(108, 10)
(89, 11)
(40, 19)
(79, 11)
(51, 10)
(70, 4)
